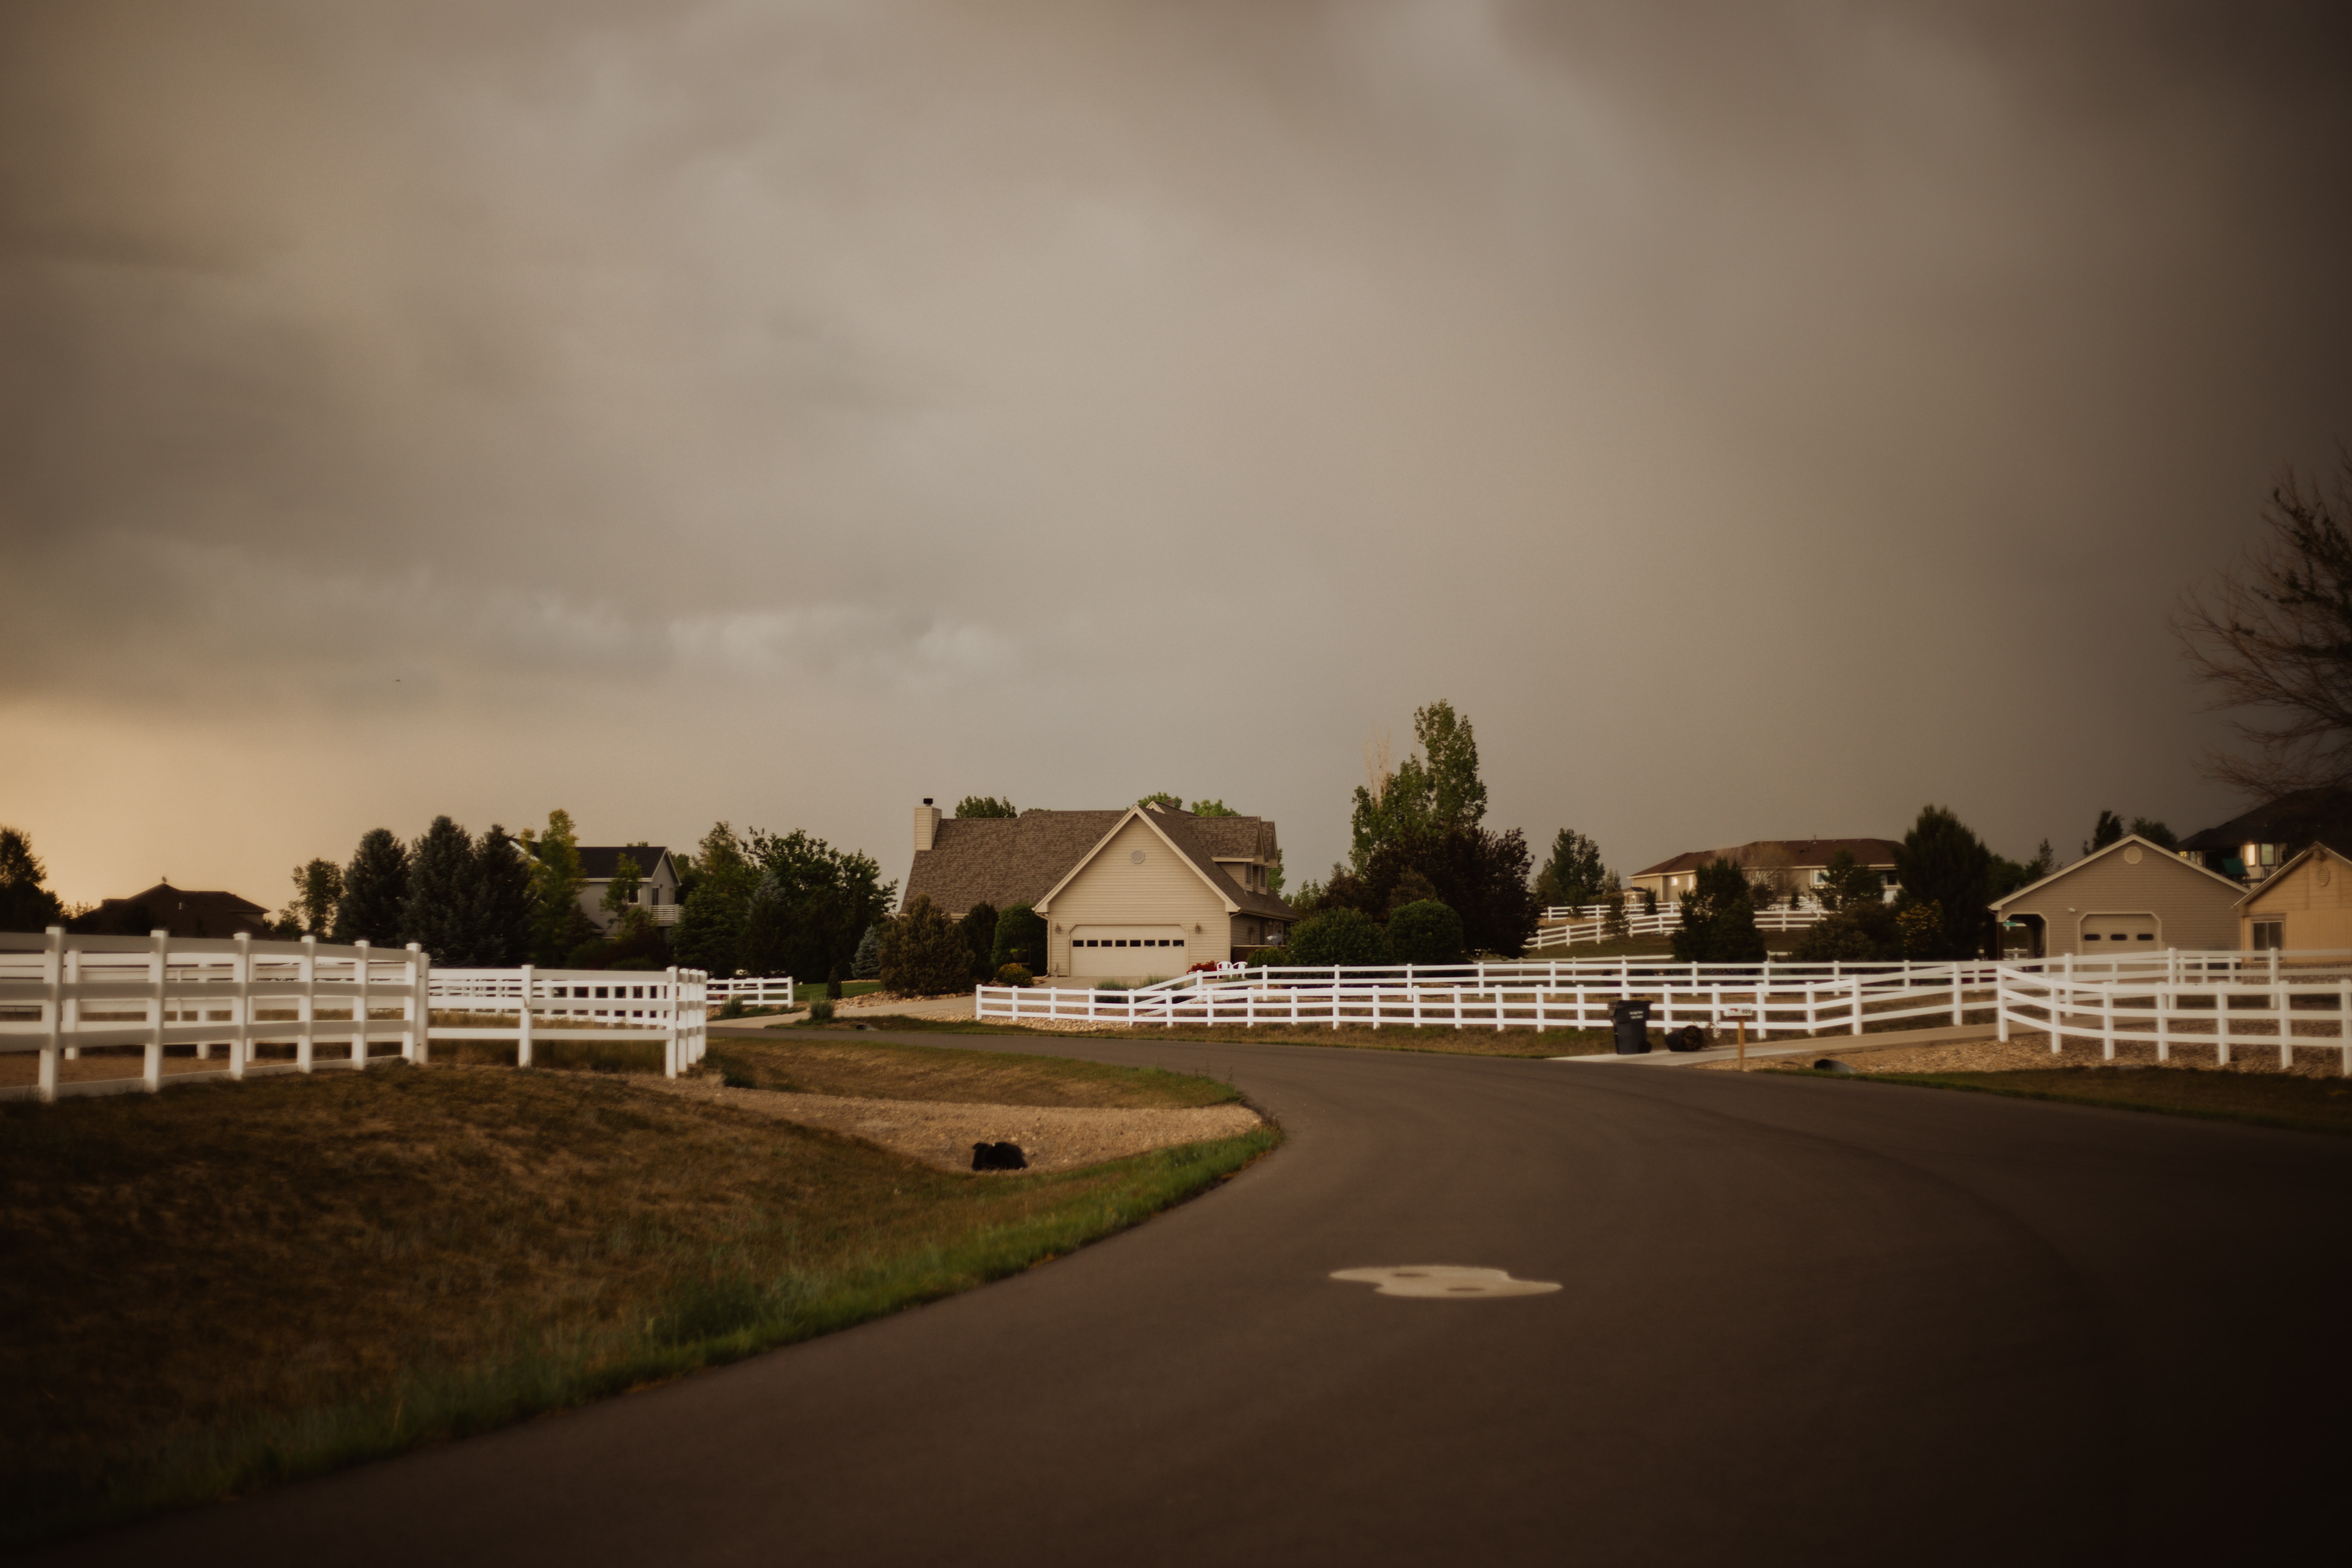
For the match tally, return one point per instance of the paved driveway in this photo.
(1800, 1321)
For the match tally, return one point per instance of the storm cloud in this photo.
(1760, 420)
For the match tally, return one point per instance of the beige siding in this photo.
(2192, 910)
(1111, 889)
(2313, 903)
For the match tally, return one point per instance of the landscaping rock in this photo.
(1831, 1064)
(1689, 1038)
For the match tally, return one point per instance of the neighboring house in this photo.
(2253, 846)
(2304, 905)
(656, 892)
(182, 911)
(1803, 863)
(1142, 893)
(2134, 896)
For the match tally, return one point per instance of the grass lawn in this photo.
(222, 1286)
(1466, 1042)
(2266, 1099)
(809, 1063)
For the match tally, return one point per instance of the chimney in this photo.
(927, 824)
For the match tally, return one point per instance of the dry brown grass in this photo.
(223, 1285)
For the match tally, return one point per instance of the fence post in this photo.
(364, 967)
(2001, 1004)
(154, 1066)
(2344, 1022)
(669, 1047)
(1955, 995)
(523, 1026)
(307, 1005)
(52, 975)
(2285, 1024)
(1856, 986)
(417, 1048)
(240, 1045)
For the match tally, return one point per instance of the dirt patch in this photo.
(940, 1133)
(2028, 1053)
(833, 1065)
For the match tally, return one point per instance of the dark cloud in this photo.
(1760, 419)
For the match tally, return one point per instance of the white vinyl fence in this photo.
(60, 996)
(2285, 1002)
(754, 990)
(1591, 923)
(1566, 994)
(2219, 1001)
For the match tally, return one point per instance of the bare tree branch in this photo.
(2274, 638)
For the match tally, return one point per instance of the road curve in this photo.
(1800, 1321)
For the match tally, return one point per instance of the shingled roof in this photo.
(2306, 816)
(602, 862)
(183, 911)
(1002, 860)
(1805, 853)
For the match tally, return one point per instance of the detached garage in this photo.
(2131, 896)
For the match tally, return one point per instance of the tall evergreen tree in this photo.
(440, 910)
(375, 890)
(1943, 865)
(1719, 920)
(504, 904)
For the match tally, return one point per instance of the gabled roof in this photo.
(2278, 878)
(1789, 854)
(2302, 817)
(183, 911)
(602, 862)
(1026, 859)
(2101, 854)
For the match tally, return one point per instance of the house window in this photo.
(2090, 936)
(2269, 853)
(2269, 935)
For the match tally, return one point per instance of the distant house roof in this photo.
(1997, 905)
(2304, 817)
(602, 862)
(1002, 861)
(1790, 854)
(183, 911)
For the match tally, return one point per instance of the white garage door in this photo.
(2111, 936)
(1117, 951)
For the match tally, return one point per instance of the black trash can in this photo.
(1631, 1022)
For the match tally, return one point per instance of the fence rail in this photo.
(60, 996)
(1664, 920)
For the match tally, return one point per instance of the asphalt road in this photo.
(1800, 1321)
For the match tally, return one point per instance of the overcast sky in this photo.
(1760, 420)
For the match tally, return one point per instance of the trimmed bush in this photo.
(1425, 933)
(1338, 936)
(1014, 975)
(1264, 958)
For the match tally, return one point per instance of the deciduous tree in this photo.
(25, 903)
(2273, 640)
(973, 805)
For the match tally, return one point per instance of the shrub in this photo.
(923, 953)
(1264, 958)
(1425, 931)
(734, 1008)
(978, 928)
(867, 963)
(1019, 938)
(1014, 975)
(821, 1011)
(1338, 936)
(1857, 933)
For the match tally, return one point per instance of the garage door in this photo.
(2113, 936)
(1117, 951)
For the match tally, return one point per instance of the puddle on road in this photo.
(1446, 1282)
